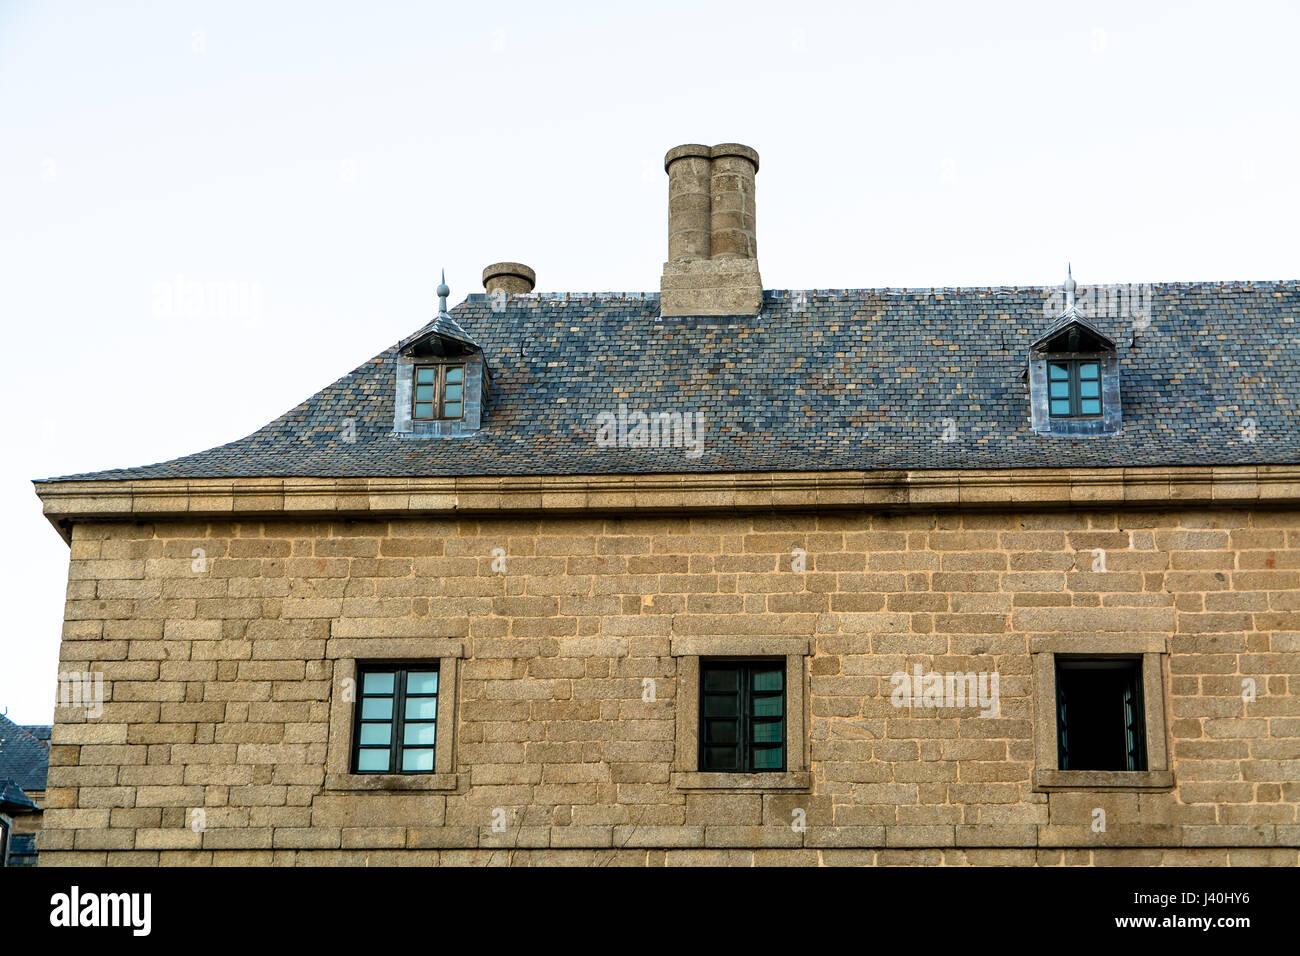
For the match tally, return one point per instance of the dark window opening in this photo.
(4, 842)
(1074, 388)
(396, 718)
(1100, 720)
(439, 392)
(742, 716)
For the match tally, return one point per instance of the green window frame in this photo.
(1100, 714)
(742, 715)
(1074, 388)
(438, 392)
(396, 724)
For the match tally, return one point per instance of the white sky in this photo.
(334, 156)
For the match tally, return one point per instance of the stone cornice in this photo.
(68, 502)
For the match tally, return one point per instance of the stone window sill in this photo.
(392, 781)
(1103, 780)
(789, 780)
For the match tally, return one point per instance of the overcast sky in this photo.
(325, 160)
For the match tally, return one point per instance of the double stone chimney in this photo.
(712, 266)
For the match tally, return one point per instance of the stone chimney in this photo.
(712, 266)
(513, 278)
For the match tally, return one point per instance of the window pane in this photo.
(371, 760)
(381, 734)
(721, 705)
(421, 708)
(452, 410)
(721, 679)
(767, 758)
(1090, 389)
(417, 760)
(1089, 370)
(767, 680)
(424, 376)
(721, 732)
(1090, 406)
(767, 707)
(1060, 390)
(379, 708)
(455, 374)
(768, 732)
(419, 735)
(453, 393)
(1061, 407)
(378, 683)
(721, 758)
(424, 393)
(1059, 371)
(424, 411)
(425, 682)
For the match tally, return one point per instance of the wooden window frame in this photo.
(440, 370)
(397, 746)
(1073, 386)
(745, 666)
(1135, 750)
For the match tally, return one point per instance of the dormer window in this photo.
(1073, 377)
(440, 388)
(439, 393)
(1074, 388)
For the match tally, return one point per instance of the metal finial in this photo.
(1070, 286)
(443, 292)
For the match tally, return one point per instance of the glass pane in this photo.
(455, 374)
(1090, 389)
(425, 682)
(417, 760)
(767, 706)
(381, 683)
(452, 410)
(721, 758)
(767, 680)
(1090, 406)
(720, 679)
(1060, 390)
(721, 731)
(767, 758)
(421, 708)
(419, 735)
(379, 708)
(370, 760)
(381, 734)
(424, 376)
(1061, 408)
(424, 411)
(453, 392)
(1089, 370)
(424, 393)
(720, 705)
(1059, 371)
(767, 732)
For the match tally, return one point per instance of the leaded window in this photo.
(397, 714)
(1074, 388)
(742, 716)
(439, 392)
(1100, 720)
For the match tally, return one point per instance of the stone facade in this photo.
(569, 634)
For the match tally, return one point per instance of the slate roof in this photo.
(824, 380)
(24, 756)
(13, 799)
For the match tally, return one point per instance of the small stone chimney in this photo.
(712, 266)
(513, 278)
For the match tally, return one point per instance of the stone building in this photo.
(714, 575)
(24, 759)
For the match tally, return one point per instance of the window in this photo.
(439, 392)
(396, 718)
(1074, 388)
(4, 842)
(742, 716)
(1100, 723)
